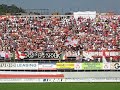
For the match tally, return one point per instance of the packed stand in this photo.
(60, 34)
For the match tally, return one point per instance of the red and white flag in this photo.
(19, 55)
(70, 41)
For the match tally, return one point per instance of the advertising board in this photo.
(92, 66)
(106, 66)
(18, 66)
(65, 65)
(47, 66)
(78, 66)
(115, 66)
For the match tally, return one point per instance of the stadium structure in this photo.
(83, 47)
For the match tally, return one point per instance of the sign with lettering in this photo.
(92, 66)
(18, 66)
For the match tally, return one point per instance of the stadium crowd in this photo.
(59, 33)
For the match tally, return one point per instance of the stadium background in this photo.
(45, 64)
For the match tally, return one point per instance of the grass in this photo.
(59, 86)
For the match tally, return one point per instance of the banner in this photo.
(92, 66)
(65, 65)
(18, 66)
(47, 66)
(41, 55)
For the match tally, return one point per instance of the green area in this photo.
(60, 86)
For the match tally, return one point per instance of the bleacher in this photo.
(64, 35)
(61, 48)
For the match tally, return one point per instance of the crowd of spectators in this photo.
(51, 33)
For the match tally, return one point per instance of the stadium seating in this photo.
(63, 35)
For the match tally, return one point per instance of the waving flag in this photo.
(19, 55)
(71, 41)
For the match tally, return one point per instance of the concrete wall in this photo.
(108, 74)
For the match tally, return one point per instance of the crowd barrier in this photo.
(59, 66)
